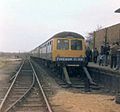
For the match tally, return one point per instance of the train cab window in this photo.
(62, 44)
(76, 45)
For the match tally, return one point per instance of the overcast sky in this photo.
(25, 24)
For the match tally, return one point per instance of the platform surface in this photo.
(103, 68)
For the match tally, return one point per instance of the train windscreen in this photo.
(76, 45)
(62, 44)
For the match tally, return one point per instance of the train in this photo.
(64, 48)
(63, 53)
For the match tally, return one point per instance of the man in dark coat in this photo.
(114, 55)
(88, 54)
(118, 57)
(102, 55)
(106, 52)
(95, 55)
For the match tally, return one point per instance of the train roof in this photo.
(63, 35)
(67, 34)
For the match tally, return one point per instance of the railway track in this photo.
(25, 93)
(77, 82)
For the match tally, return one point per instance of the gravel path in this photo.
(73, 100)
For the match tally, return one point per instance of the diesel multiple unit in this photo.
(63, 48)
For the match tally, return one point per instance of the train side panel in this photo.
(45, 50)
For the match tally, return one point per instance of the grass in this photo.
(3, 62)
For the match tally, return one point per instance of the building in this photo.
(110, 34)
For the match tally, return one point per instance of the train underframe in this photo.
(68, 69)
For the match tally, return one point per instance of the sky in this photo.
(25, 24)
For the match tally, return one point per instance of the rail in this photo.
(23, 96)
(34, 78)
(16, 75)
(43, 93)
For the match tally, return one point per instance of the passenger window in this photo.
(76, 45)
(62, 44)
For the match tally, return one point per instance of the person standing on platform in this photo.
(118, 57)
(106, 52)
(88, 54)
(102, 56)
(95, 55)
(114, 55)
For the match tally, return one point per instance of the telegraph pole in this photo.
(94, 40)
(106, 31)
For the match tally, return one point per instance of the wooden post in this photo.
(94, 40)
(106, 31)
(94, 37)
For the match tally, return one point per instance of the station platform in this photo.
(106, 69)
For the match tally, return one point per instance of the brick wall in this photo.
(113, 35)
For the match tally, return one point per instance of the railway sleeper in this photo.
(29, 109)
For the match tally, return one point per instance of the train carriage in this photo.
(63, 48)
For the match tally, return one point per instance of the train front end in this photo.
(69, 49)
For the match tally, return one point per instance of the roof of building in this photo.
(115, 25)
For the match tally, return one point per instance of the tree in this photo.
(90, 37)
